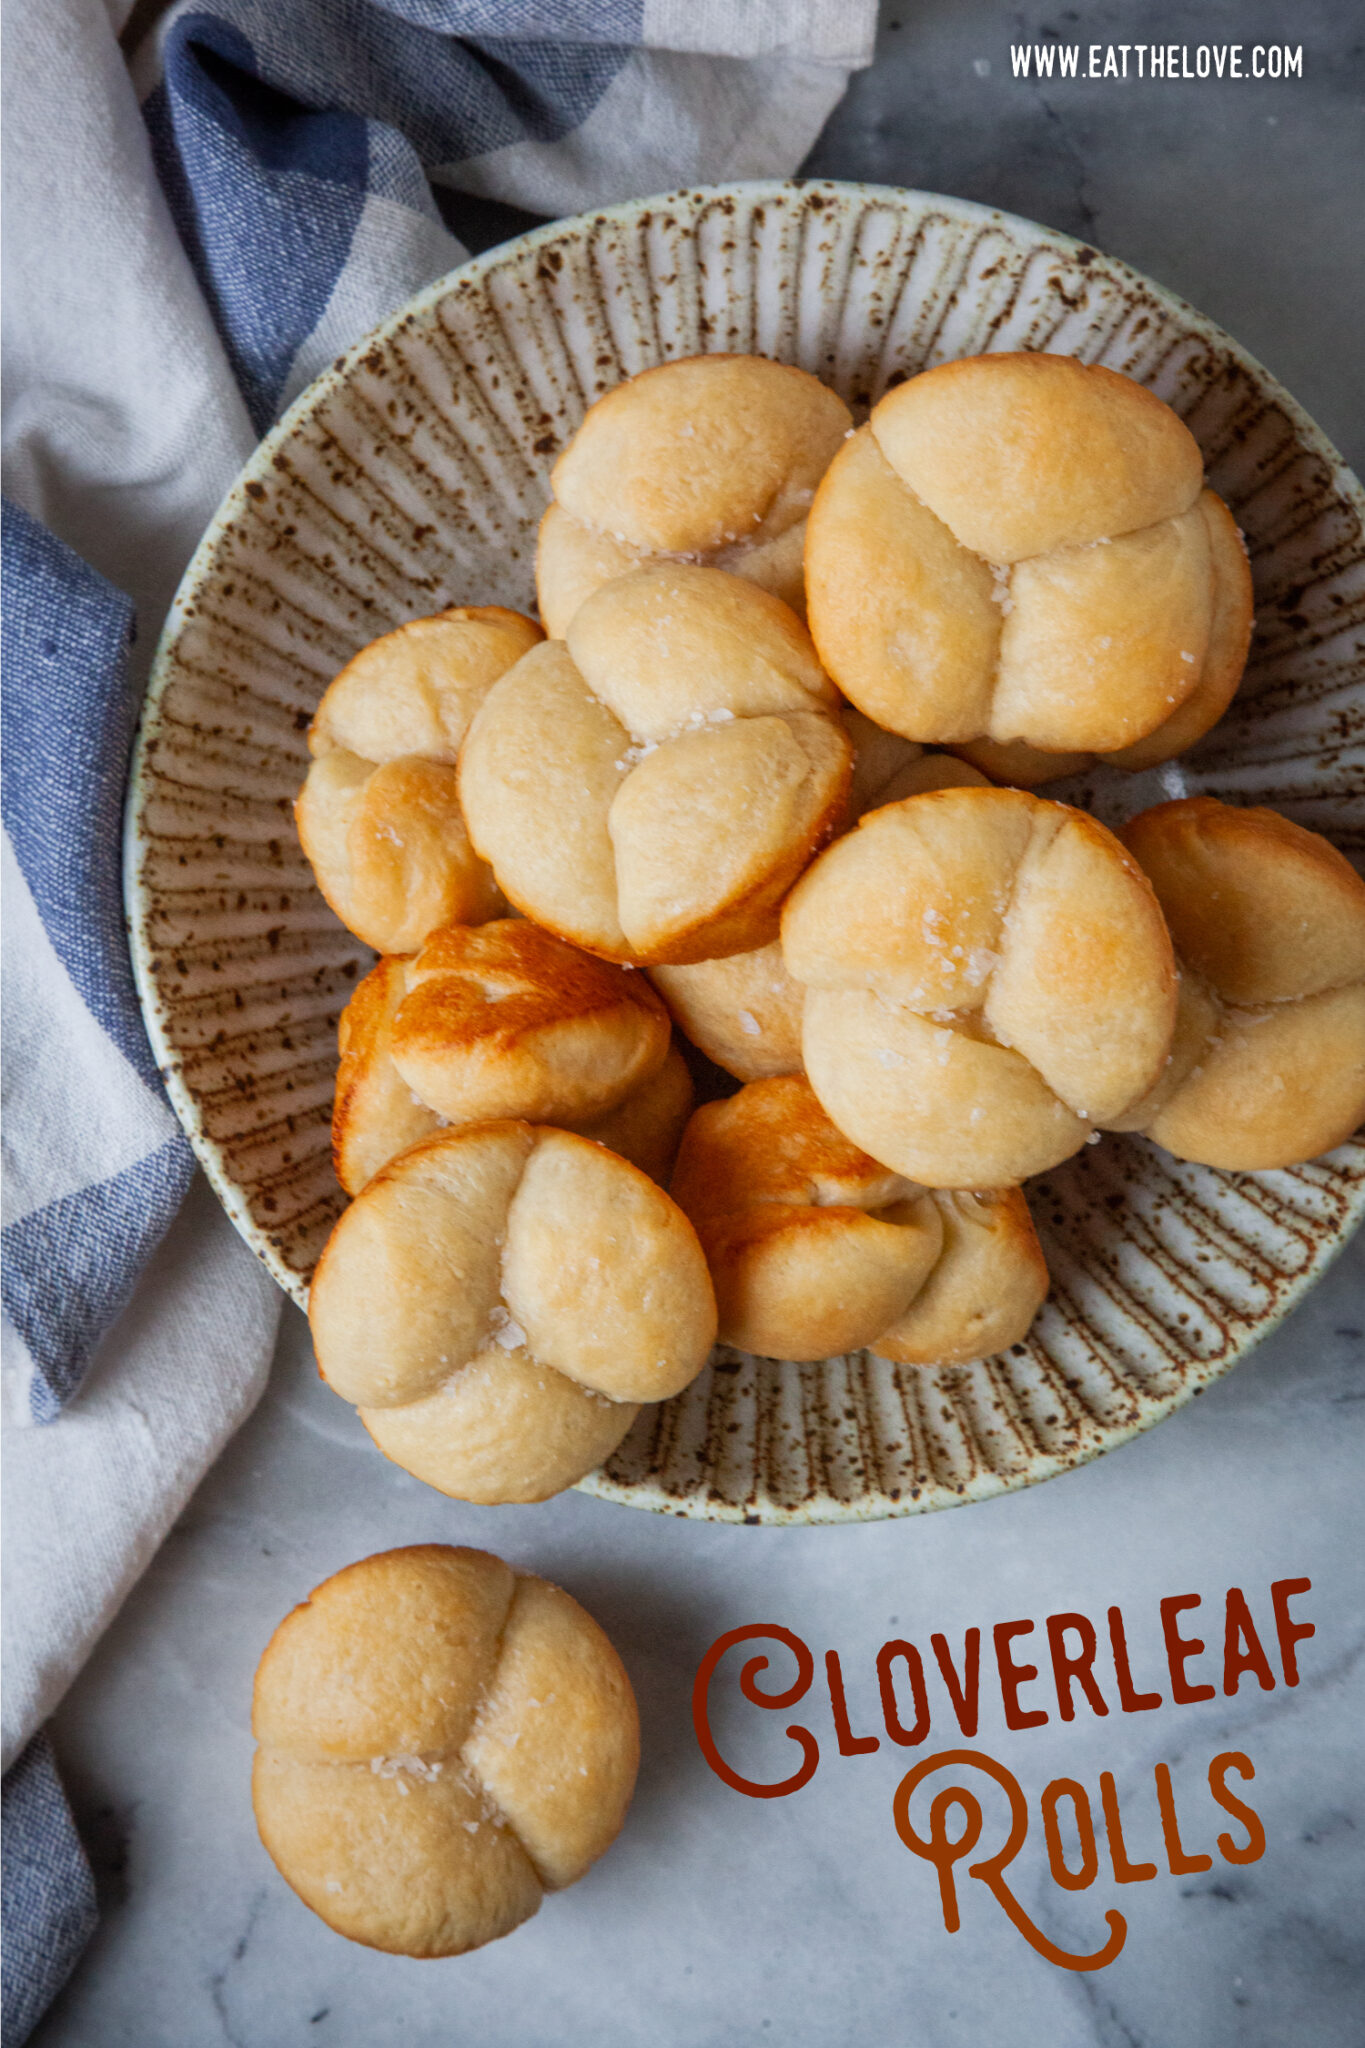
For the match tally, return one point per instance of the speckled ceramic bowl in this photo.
(412, 475)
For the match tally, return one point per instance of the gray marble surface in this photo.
(720, 1919)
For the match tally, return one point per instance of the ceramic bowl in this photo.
(412, 476)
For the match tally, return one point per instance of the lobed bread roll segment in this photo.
(1268, 921)
(498, 1300)
(651, 787)
(712, 459)
(379, 814)
(504, 1020)
(415, 690)
(816, 1249)
(745, 1011)
(988, 978)
(1229, 639)
(1021, 767)
(375, 1114)
(1018, 550)
(389, 849)
(646, 1128)
(1024, 453)
(441, 1740)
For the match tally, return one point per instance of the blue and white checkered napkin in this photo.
(177, 274)
(49, 1896)
(95, 1164)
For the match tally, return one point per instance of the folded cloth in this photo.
(95, 1163)
(349, 131)
(177, 274)
(96, 1169)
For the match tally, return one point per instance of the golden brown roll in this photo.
(816, 1249)
(442, 1740)
(1019, 549)
(1268, 920)
(504, 1020)
(379, 813)
(1020, 767)
(375, 1114)
(745, 1011)
(647, 1127)
(988, 979)
(1025, 767)
(498, 1300)
(650, 787)
(713, 459)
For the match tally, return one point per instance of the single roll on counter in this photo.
(442, 1740)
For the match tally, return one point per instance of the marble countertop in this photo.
(722, 1919)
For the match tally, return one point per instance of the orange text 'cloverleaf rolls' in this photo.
(714, 459)
(497, 1300)
(651, 787)
(442, 1740)
(815, 1249)
(987, 976)
(1268, 920)
(504, 1020)
(745, 1011)
(1019, 548)
(379, 814)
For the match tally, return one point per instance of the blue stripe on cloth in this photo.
(541, 21)
(67, 723)
(266, 195)
(437, 89)
(550, 88)
(270, 125)
(49, 1894)
(70, 1267)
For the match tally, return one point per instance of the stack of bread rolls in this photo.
(717, 798)
(760, 810)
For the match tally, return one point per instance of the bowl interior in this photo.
(413, 475)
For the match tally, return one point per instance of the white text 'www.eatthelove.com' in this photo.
(1156, 60)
